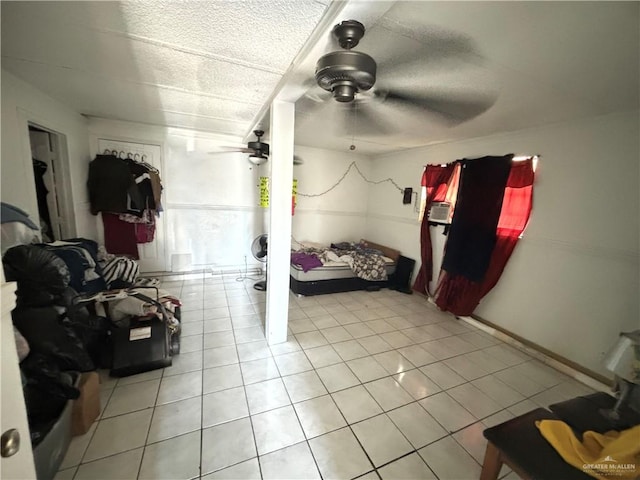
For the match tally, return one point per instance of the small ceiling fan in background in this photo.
(258, 151)
(446, 80)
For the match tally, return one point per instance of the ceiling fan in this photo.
(258, 151)
(439, 80)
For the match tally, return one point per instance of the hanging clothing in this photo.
(39, 169)
(119, 236)
(460, 295)
(156, 186)
(473, 229)
(142, 177)
(145, 226)
(145, 232)
(112, 187)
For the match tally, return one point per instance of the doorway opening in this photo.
(49, 160)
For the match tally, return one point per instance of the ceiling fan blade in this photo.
(232, 150)
(360, 118)
(451, 107)
(365, 119)
(431, 68)
(395, 44)
(314, 98)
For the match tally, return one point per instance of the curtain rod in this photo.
(517, 158)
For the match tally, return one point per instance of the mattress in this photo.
(332, 271)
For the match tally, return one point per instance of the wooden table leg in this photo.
(492, 463)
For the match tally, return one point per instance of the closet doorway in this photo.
(48, 157)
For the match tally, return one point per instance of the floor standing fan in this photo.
(259, 252)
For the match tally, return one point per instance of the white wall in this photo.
(21, 103)
(211, 202)
(571, 285)
(572, 282)
(339, 215)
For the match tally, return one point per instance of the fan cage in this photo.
(256, 247)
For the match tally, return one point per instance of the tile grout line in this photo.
(348, 425)
(393, 349)
(304, 434)
(244, 389)
(201, 391)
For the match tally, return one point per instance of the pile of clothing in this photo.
(56, 340)
(62, 323)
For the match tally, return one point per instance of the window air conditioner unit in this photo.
(440, 212)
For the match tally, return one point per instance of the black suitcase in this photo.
(143, 346)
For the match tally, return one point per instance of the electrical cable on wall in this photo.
(353, 164)
(246, 276)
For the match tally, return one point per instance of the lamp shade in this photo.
(624, 357)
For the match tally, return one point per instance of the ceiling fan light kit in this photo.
(258, 151)
(257, 159)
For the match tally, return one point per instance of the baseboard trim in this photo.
(575, 370)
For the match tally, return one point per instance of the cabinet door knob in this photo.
(10, 442)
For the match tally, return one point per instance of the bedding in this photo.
(365, 265)
(345, 267)
(331, 271)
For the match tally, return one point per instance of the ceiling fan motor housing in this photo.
(259, 147)
(345, 73)
(261, 150)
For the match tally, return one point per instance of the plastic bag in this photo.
(93, 331)
(41, 275)
(46, 393)
(46, 333)
(22, 346)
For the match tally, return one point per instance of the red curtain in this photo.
(436, 179)
(460, 295)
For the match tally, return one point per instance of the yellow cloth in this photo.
(612, 455)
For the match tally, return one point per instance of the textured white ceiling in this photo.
(216, 65)
(206, 65)
(544, 62)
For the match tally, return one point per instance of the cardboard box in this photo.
(86, 408)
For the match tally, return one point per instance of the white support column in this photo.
(281, 167)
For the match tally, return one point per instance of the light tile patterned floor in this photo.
(369, 384)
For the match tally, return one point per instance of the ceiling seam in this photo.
(171, 46)
(199, 115)
(229, 120)
(189, 51)
(174, 125)
(198, 93)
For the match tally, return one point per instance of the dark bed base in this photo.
(321, 287)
